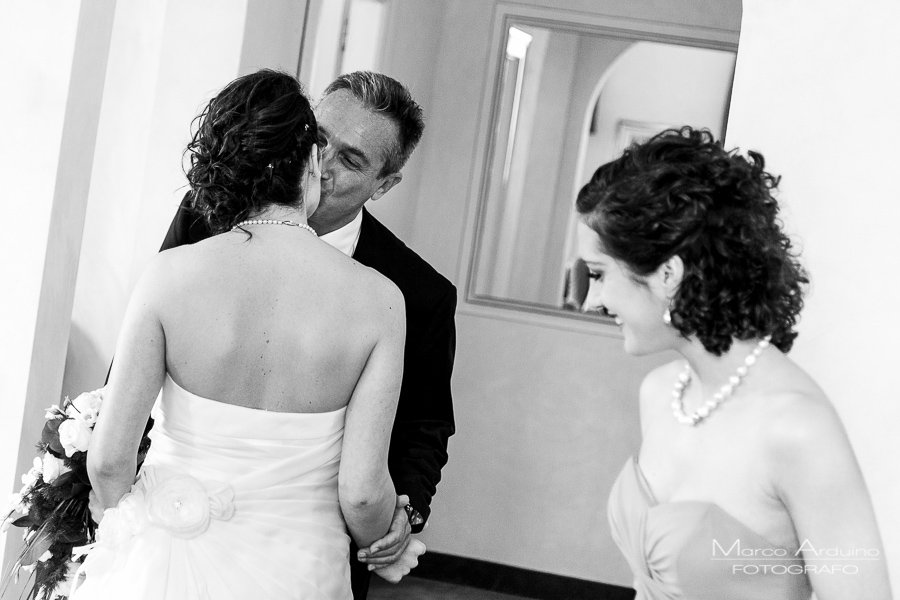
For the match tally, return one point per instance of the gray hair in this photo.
(387, 96)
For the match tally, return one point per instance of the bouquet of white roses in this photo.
(52, 505)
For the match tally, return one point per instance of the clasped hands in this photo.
(394, 555)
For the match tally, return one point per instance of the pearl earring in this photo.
(667, 316)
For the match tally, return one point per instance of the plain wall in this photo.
(55, 110)
(817, 92)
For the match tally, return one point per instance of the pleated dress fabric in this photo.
(232, 503)
(694, 550)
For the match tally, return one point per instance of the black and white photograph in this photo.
(449, 299)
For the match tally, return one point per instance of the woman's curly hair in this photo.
(250, 148)
(680, 193)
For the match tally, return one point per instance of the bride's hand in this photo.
(395, 571)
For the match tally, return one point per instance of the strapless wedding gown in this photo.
(232, 503)
(694, 550)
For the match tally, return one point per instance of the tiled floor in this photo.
(416, 588)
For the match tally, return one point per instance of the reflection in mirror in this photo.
(567, 102)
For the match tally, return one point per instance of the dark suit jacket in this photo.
(424, 421)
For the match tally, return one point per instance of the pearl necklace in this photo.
(684, 379)
(274, 222)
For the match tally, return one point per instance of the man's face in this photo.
(354, 142)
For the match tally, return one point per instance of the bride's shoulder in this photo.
(167, 271)
(166, 265)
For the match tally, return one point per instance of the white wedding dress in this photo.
(232, 503)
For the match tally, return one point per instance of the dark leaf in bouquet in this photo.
(64, 479)
(66, 491)
(37, 545)
(25, 521)
(60, 454)
(78, 460)
(11, 575)
(50, 435)
(80, 489)
(83, 476)
(75, 537)
(52, 573)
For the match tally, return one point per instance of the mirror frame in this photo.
(507, 15)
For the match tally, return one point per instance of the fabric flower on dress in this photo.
(183, 506)
(74, 436)
(163, 498)
(127, 519)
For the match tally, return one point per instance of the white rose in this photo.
(29, 479)
(86, 407)
(74, 436)
(54, 412)
(53, 467)
(15, 503)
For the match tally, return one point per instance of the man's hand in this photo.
(407, 561)
(388, 549)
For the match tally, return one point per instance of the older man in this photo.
(369, 125)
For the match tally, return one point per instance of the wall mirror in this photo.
(567, 98)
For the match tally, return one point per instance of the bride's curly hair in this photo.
(680, 193)
(250, 148)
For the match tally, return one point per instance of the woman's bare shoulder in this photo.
(661, 380)
(383, 293)
(656, 391)
(802, 432)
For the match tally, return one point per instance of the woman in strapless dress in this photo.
(745, 485)
(279, 385)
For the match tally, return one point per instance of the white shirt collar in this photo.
(345, 238)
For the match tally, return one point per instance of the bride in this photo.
(279, 359)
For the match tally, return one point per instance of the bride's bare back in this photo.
(280, 321)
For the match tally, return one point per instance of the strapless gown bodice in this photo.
(694, 550)
(232, 503)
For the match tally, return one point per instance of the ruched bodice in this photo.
(694, 550)
(280, 534)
